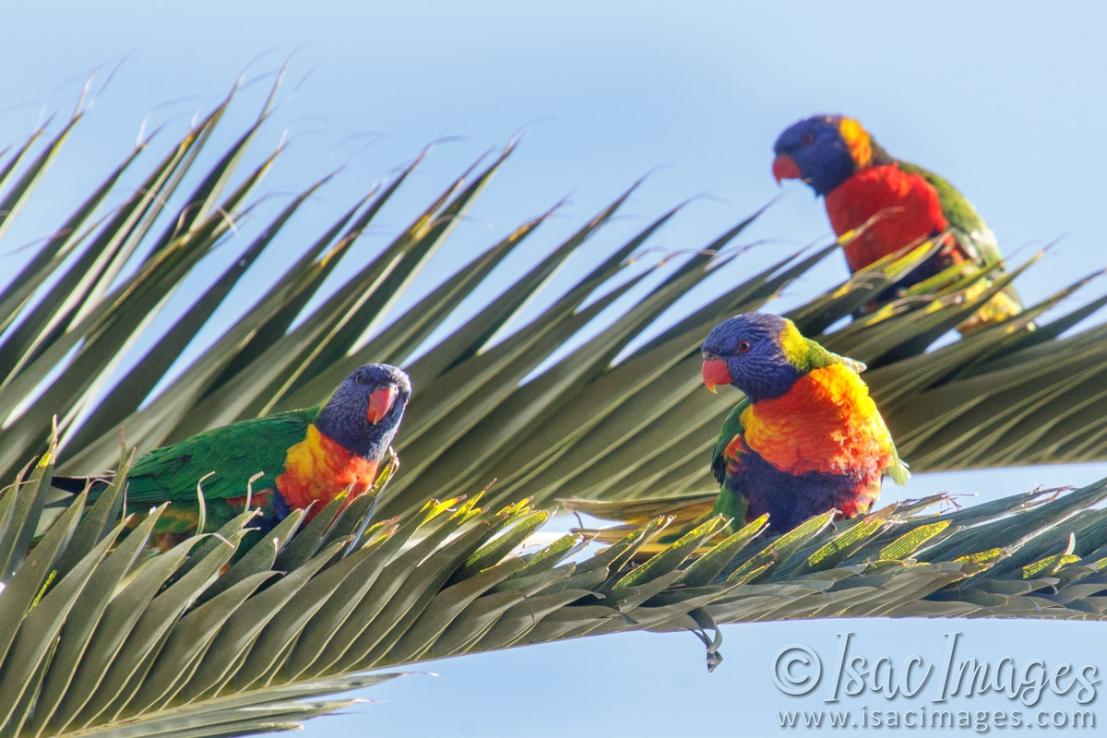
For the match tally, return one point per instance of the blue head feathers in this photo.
(823, 151)
(755, 353)
(365, 411)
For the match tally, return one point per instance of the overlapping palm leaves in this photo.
(584, 424)
(164, 645)
(101, 636)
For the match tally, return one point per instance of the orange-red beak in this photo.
(380, 402)
(714, 373)
(785, 167)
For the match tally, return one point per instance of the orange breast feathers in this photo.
(319, 468)
(904, 208)
(826, 423)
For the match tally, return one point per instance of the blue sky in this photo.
(1006, 104)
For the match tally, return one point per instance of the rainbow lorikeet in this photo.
(807, 437)
(889, 204)
(304, 456)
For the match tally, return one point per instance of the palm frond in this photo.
(608, 419)
(102, 636)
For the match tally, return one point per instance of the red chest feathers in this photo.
(319, 468)
(905, 207)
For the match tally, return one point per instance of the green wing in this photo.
(729, 502)
(732, 427)
(234, 452)
(962, 217)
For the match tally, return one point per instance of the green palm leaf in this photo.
(101, 636)
(597, 422)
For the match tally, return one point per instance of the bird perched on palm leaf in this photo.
(805, 438)
(303, 457)
(879, 205)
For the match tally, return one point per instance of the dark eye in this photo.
(361, 379)
(743, 346)
(808, 139)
